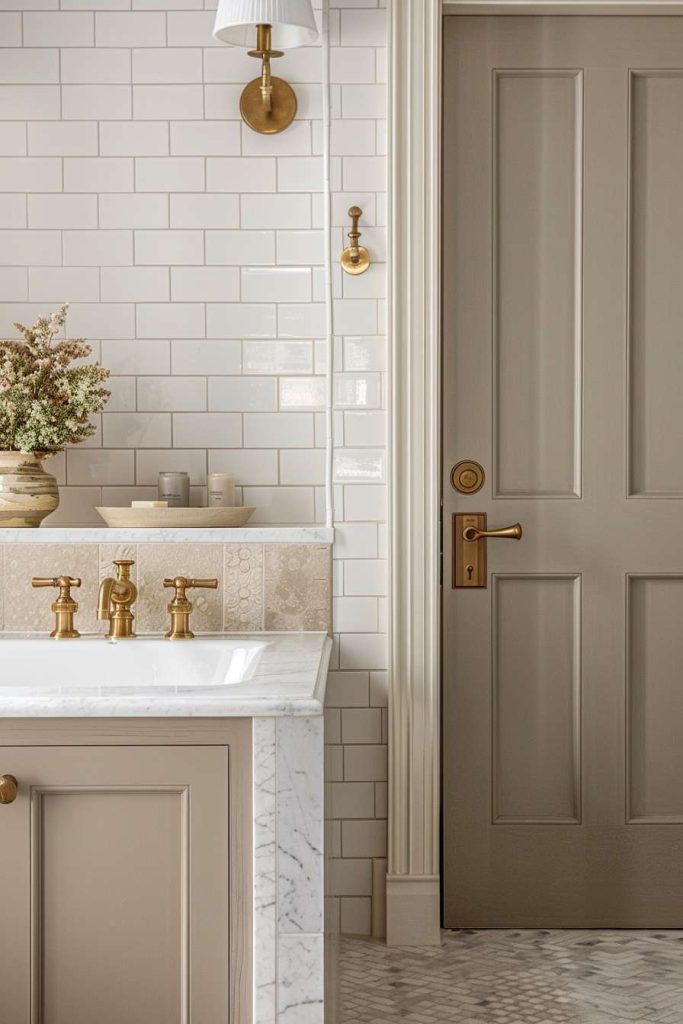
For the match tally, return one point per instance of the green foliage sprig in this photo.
(45, 401)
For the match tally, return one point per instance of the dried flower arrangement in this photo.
(45, 401)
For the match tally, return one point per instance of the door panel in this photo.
(655, 698)
(118, 909)
(536, 698)
(656, 299)
(563, 371)
(537, 161)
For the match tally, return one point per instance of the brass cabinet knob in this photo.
(8, 789)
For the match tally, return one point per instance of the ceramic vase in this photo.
(27, 493)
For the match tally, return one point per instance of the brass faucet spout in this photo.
(104, 599)
(115, 600)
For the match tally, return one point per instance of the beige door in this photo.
(115, 896)
(563, 377)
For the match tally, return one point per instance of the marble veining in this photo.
(300, 979)
(300, 835)
(265, 871)
(289, 967)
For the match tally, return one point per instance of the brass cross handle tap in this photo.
(64, 607)
(8, 789)
(180, 607)
(355, 258)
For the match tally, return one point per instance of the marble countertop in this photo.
(236, 675)
(106, 535)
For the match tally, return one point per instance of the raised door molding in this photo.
(413, 891)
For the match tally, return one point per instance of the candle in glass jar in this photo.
(221, 490)
(175, 489)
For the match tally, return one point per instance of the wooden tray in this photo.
(176, 518)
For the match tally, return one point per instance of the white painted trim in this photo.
(550, 8)
(413, 914)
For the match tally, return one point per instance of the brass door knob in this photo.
(8, 789)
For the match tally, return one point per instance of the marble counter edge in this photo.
(171, 704)
(234, 535)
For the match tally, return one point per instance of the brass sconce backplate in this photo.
(282, 109)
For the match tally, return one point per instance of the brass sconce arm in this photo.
(265, 52)
(268, 104)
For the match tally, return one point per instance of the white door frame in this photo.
(413, 884)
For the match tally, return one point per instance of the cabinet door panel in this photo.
(119, 902)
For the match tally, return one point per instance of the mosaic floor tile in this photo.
(516, 977)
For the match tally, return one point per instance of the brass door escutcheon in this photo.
(470, 534)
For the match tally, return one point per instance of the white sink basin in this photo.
(153, 661)
(221, 674)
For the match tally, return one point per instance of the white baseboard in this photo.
(413, 910)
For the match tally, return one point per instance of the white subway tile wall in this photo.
(191, 250)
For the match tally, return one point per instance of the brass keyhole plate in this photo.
(468, 477)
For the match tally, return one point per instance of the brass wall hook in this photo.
(355, 258)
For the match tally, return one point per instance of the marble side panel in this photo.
(156, 561)
(265, 871)
(243, 589)
(300, 979)
(300, 824)
(28, 610)
(297, 586)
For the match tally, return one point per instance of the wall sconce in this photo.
(267, 104)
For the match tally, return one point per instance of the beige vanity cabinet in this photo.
(126, 892)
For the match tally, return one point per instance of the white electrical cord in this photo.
(327, 233)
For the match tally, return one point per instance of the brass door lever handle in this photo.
(513, 532)
(470, 534)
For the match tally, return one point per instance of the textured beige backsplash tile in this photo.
(109, 553)
(271, 586)
(297, 586)
(243, 608)
(28, 610)
(157, 561)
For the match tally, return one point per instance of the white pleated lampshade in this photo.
(292, 22)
